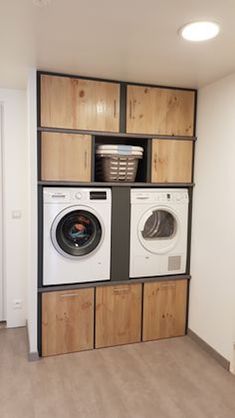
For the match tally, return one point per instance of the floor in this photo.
(164, 379)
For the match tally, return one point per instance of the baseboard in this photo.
(32, 355)
(213, 353)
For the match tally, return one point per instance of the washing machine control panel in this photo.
(75, 195)
(78, 195)
(160, 196)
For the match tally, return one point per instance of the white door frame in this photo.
(2, 290)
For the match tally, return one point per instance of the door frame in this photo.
(2, 283)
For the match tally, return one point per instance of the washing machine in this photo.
(159, 225)
(76, 235)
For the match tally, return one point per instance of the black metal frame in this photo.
(147, 184)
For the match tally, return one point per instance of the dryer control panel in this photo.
(139, 196)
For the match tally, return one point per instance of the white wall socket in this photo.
(17, 304)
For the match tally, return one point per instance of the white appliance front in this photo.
(159, 224)
(76, 235)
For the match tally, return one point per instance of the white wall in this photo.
(212, 294)
(15, 196)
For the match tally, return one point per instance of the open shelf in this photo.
(143, 166)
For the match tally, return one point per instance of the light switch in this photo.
(16, 214)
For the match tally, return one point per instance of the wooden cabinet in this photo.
(67, 321)
(160, 111)
(75, 103)
(171, 161)
(118, 315)
(164, 309)
(65, 157)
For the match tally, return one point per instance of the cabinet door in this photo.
(118, 315)
(67, 321)
(65, 157)
(153, 110)
(172, 161)
(164, 310)
(75, 103)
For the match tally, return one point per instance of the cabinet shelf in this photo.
(109, 184)
(117, 134)
(113, 283)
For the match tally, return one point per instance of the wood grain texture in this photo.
(160, 111)
(67, 321)
(118, 315)
(171, 161)
(164, 309)
(75, 103)
(65, 157)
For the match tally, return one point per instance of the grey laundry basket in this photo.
(117, 163)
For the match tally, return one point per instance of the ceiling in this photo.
(128, 40)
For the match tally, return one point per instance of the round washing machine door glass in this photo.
(158, 230)
(76, 233)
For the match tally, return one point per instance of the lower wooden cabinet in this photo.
(172, 161)
(68, 316)
(118, 315)
(67, 321)
(65, 157)
(164, 309)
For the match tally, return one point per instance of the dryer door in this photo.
(76, 232)
(159, 230)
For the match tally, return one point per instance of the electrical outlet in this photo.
(17, 304)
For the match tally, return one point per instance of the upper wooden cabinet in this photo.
(65, 157)
(75, 103)
(171, 161)
(160, 111)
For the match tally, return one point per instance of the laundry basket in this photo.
(117, 162)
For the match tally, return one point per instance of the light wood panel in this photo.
(76, 103)
(172, 161)
(118, 315)
(65, 157)
(164, 309)
(160, 111)
(67, 321)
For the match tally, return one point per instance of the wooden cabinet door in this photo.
(160, 111)
(65, 157)
(118, 315)
(75, 103)
(172, 161)
(67, 321)
(164, 309)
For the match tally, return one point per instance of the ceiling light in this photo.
(41, 3)
(200, 31)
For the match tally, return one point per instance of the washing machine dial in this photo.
(78, 195)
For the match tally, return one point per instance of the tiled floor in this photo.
(164, 379)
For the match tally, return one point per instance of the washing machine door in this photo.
(158, 230)
(76, 232)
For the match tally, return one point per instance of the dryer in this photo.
(76, 235)
(158, 237)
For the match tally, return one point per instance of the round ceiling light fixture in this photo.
(200, 31)
(41, 3)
